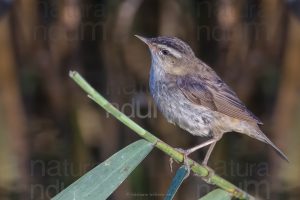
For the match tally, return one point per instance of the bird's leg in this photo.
(191, 150)
(211, 172)
(208, 153)
(204, 144)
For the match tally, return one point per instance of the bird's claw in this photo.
(210, 174)
(185, 160)
(171, 163)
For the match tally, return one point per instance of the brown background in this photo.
(51, 133)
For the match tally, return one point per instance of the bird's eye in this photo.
(165, 52)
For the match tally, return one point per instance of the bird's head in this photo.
(170, 54)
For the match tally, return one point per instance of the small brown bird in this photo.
(191, 95)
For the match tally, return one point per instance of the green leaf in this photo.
(101, 181)
(217, 194)
(176, 182)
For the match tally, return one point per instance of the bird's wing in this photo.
(216, 95)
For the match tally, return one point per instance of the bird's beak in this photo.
(144, 39)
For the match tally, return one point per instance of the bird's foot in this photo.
(185, 160)
(210, 174)
(171, 164)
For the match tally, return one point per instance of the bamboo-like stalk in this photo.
(198, 169)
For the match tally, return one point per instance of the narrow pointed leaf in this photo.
(101, 181)
(217, 194)
(176, 182)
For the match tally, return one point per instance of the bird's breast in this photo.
(176, 108)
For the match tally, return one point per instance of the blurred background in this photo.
(51, 133)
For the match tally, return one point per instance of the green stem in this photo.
(173, 153)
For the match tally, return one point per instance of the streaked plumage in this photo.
(191, 95)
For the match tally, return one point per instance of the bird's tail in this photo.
(262, 137)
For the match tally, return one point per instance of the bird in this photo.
(192, 96)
